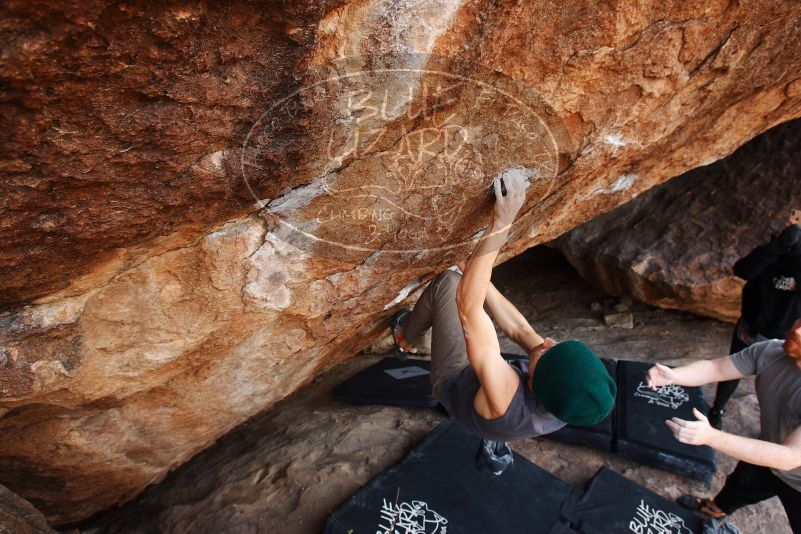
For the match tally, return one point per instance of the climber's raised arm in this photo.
(511, 322)
(498, 381)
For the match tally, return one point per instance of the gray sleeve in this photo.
(747, 360)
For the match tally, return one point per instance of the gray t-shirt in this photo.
(778, 389)
(523, 419)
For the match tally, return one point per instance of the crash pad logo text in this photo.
(413, 517)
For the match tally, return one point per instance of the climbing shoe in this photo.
(704, 507)
(493, 456)
(396, 324)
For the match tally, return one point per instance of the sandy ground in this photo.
(288, 468)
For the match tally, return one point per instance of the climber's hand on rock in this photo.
(660, 375)
(795, 218)
(507, 206)
(691, 432)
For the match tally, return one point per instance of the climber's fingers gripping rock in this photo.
(507, 206)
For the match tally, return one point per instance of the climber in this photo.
(487, 396)
(769, 466)
(771, 299)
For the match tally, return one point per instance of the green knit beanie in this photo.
(571, 382)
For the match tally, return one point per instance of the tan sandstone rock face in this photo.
(204, 207)
(674, 246)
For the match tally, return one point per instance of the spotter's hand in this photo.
(507, 206)
(692, 432)
(660, 375)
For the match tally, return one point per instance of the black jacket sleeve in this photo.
(795, 267)
(752, 265)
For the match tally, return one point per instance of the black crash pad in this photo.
(642, 434)
(437, 486)
(562, 528)
(390, 382)
(613, 504)
(598, 436)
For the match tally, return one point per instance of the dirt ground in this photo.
(286, 469)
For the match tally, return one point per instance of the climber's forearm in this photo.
(509, 319)
(473, 286)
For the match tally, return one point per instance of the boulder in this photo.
(18, 516)
(205, 206)
(674, 246)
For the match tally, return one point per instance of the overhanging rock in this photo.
(179, 254)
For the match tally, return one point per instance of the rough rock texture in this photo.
(18, 516)
(182, 249)
(674, 246)
(287, 468)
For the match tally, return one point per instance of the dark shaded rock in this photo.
(674, 246)
(18, 516)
